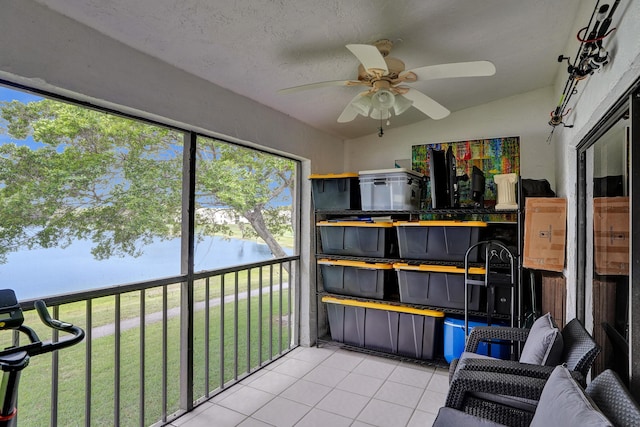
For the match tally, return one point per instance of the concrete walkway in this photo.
(105, 330)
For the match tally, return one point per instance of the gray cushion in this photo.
(564, 403)
(544, 343)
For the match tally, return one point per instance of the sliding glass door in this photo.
(607, 288)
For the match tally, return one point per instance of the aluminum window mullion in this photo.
(187, 268)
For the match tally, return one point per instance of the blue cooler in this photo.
(454, 340)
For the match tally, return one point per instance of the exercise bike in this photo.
(14, 359)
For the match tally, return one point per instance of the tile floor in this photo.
(328, 386)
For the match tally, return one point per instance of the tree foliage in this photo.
(75, 173)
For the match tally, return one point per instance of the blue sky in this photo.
(7, 94)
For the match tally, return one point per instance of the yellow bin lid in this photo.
(333, 175)
(354, 224)
(358, 264)
(427, 268)
(440, 223)
(382, 306)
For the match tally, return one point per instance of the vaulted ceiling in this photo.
(256, 47)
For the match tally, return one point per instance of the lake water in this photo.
(45, 272)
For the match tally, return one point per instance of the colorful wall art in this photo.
(492, 156)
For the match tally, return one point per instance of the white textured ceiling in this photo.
(255, 47)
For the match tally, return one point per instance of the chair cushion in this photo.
(564, 403)
(544, 343)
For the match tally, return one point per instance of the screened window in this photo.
(244, 205)
(90, 199)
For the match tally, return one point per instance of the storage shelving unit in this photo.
(502, 219)
(511, 219)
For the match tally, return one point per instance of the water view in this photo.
(44, 272)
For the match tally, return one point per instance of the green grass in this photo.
(34, 397)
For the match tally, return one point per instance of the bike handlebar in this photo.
(77, 334)
(36, 346)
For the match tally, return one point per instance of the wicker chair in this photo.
(578, 353)
(612, 400)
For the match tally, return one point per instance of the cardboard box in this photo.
(545, 233)
(611, 235)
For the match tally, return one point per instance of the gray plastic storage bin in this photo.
(357, 278)
(391, 189)
(438, 240)
(437, 286)
(357, 238)
(389, 328)
(335, 191)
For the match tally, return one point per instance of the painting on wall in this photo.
(492, 156)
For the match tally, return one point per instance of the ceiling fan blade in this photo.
(319, 85)
(348, 114)
(427, 105)
(457, 69)
(369, 56)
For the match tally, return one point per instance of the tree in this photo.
(84, 174)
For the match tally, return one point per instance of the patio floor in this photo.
(328, 386)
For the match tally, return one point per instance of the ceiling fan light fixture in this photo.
(401, 105)
(383, 99)
(380, 114)
(362, 105)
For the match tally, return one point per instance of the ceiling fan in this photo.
(385, 76)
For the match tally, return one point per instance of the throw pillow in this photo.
(544, 343)
(564, 403)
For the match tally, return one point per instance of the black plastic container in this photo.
(392, 329)
(357, 278)
(358, 238)
(335, 191)
(438, 286)
(438, 240)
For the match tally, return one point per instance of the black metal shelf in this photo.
(448, 211)
(489, 215)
